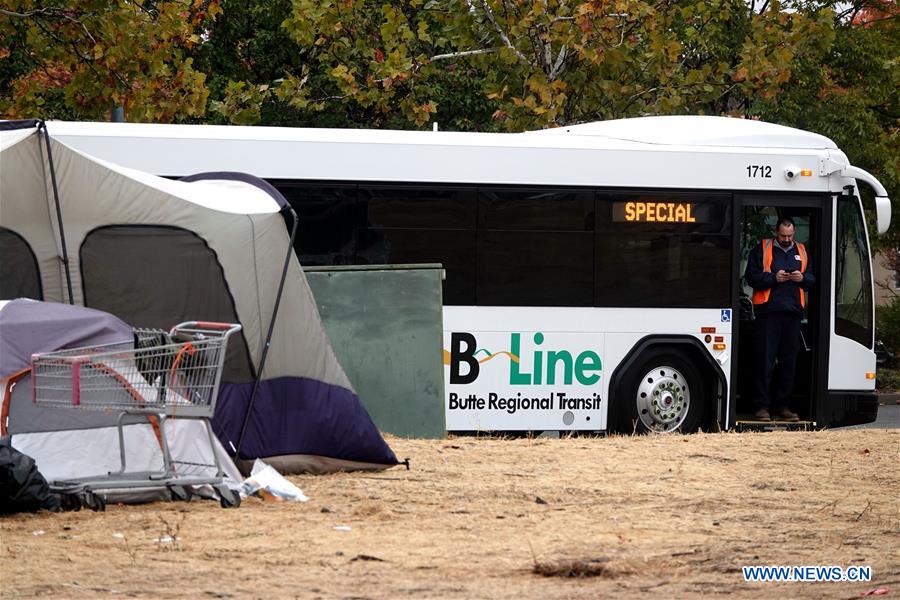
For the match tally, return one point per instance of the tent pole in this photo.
(265, 353)
(62, 231)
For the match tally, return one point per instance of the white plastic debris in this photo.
(342, 528)
(38, 532)
(166, 539)
(119, 536)
(264, 477)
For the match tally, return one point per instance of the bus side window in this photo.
(421, 224)
(327, 220)
(535, 247)
(668, 250)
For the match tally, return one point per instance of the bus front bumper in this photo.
(853, 408)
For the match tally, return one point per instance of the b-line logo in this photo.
(465, 360)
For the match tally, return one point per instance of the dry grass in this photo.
(570, 518)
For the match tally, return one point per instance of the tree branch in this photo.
(547, 51)
(503, 37)
(50, 13)
(25, 15)
(560, 63)
(877, 20)
(89, 61)
(850, 11)
(464, 53)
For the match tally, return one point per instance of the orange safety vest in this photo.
(762, 296)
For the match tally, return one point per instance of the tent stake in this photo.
(265, 353)
(62, 233)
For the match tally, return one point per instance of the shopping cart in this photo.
(160, 374)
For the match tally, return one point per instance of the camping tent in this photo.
(155, 252)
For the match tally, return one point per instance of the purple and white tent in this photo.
(155, 252)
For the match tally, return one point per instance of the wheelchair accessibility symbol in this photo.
(726, 315)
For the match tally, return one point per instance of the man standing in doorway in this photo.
(777, 272)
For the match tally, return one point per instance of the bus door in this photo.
(759, 217)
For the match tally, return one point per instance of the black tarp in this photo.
(22, 487)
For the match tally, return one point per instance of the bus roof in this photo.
(698, 131)
(693, 131)
(688, 152)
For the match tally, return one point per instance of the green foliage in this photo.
(502, 64)
(246, 55)
(79, 59)
(887, 325)
(306, 73)
(848, 91)
(887, 330)
(378, 61)
(887, 380)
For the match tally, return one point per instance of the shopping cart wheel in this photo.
(227, 498)
(76, 498)
(93, 501)
(180, 493)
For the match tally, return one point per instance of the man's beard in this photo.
(784, 244)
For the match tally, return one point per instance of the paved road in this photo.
(888, 418)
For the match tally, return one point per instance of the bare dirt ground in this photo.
(484, 518)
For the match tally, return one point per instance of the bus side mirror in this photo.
(882, 213)
(882, 202)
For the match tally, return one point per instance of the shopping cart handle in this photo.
(208, 325)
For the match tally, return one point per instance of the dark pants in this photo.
(776, 336)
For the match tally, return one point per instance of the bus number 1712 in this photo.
(759, 171)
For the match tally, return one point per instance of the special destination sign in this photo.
(660, 211)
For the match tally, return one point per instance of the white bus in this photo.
(593, 272)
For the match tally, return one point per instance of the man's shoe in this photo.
(785, 414)
(762, 415)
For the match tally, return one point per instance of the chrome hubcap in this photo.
(663, 399)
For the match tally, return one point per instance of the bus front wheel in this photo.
(663, 393)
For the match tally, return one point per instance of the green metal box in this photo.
(385, 325)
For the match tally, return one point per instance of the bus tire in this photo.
(663, 393)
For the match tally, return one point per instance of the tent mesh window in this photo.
(151, 276)
(19, 275)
